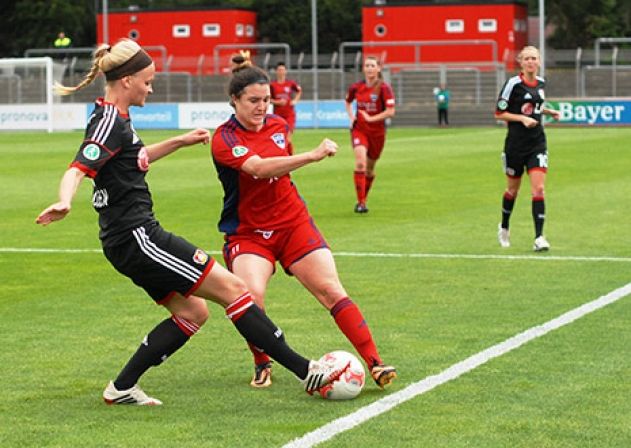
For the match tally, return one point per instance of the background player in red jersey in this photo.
(521, 104)
(285, 95)
(265, 220)
(375, 104)
(175, 273)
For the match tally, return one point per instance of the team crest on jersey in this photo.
(541, 94)
(527, 109)
(373, 97)
(100, 198)
(527, 96)
(92, 151)
(502, 104)
(279, 139)
(239, 151)
(200, 257)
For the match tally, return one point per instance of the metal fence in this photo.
(571, 73)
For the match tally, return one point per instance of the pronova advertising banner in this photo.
(592, 112)
(204, 115)
(35, 116)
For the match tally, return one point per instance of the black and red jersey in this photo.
(112, 155)
(520, 97)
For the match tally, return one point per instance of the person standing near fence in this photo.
(521, 104)
(62, 42)
(442, 96)
(375, 104)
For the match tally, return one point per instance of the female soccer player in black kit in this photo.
(175, 273)
(521, 105)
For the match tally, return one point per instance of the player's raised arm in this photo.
(264, 168)
(67, 190)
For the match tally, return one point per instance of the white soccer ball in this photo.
(351, 381)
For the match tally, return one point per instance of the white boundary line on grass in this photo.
(360, 255)
(342, 424)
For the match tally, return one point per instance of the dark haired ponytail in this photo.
(244, 73)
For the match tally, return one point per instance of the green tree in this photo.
(35, 24)
(580, 22)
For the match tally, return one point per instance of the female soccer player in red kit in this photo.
(265, 220)
(285, 95)
(375, 103)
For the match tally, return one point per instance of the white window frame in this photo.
(211, 29)
(249, 30)
(181, 31)
(239, 30)
(454, 25)
(487, 25)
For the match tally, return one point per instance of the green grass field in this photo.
(424, 265)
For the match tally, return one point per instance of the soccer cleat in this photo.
(541, 244)
(360, 207)
(321, 374)
(503, 236)
(262, 375)
(135, 395)
(383, 375)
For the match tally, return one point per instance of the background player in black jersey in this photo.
(175, 273)
(521, 105)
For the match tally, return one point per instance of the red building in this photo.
(185, 34)
(503, 22)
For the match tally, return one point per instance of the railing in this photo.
(417, 46)
(63, 53)
(10, 79)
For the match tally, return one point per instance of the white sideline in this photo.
(546, 257)
(342, 424)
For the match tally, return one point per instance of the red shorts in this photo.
(373, 143)
(286, 246)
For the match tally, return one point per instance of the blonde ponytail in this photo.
(105, 59)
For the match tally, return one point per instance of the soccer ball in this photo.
(350, 382)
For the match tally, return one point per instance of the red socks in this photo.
(369, 181)
(360, 186)
(350, 320)
(259, 356)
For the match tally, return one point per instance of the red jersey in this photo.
(252, 204)
(371, 101)
(284, 91)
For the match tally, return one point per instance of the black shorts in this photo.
(161, 263)
(514, 162)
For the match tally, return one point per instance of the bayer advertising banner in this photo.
(602, 112)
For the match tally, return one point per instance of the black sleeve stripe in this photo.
(105, 125)
(508, 87)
